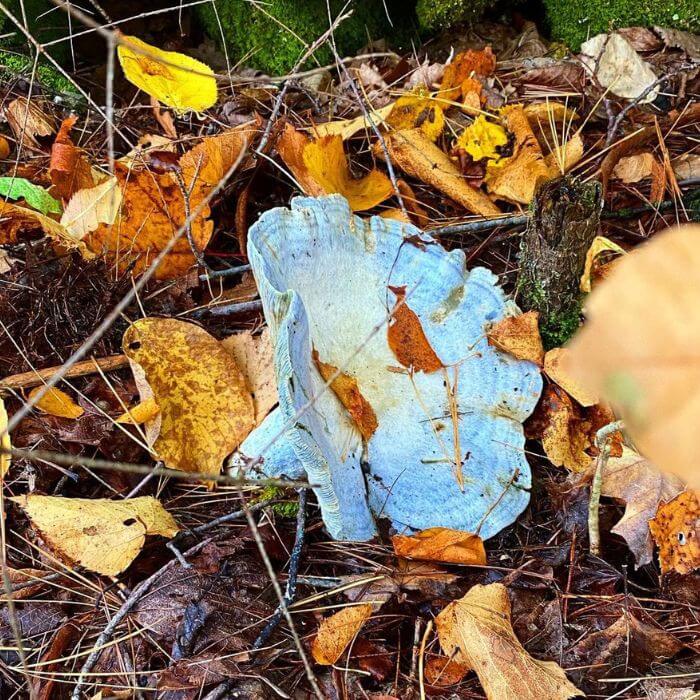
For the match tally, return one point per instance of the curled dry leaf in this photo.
(519, 336)
(179, 81)
(555, 369)
(15, 219)
(476, 633)
(205, 407)
(101, 535)
(676, 530)
(441, 544)
(337, 631)
(56, 403)
(635, 347)
(29, 122)
(600, 246)
(465, 65)
(421, 158)
(643, 487)
(69, 168)
(321, 167)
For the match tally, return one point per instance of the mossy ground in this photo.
(285, 509)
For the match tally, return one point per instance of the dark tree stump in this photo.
(564, 222)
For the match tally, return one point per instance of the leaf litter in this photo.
(459, 567)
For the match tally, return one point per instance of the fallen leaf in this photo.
(465, 65)
(686, 166)
(89, 208)
(475, 632)
(69, 168)
(4, 148)
(677, 39)
(416, 575)
(179, 81)
(417, 111)
(443, 672)
(555, 369)
(254, 356)
(337, 631)
(618, 66)
(28, 122)
(565, 157)
(143, 412)
(101, 535)
(643, 487)
(321, 167)
(345, 128)
(348, 392)
(631, 169)
(15, 219)
(56, 403)
(441, 544)
(5, 444)
(676, 531)
(635, 346)
(35, 196)
(519, 336)
(205, 407)
(547, 112)
(421, 158)
(600, 246)
(483, 139)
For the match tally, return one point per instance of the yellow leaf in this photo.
(205, 408)
(441, 544)
(555, 369)
(482, 139)
(676, 529)
(345, 128)
(599, 246)
(5, 444)
(548, 112)
(476, 633)
(101, 535)
(179, 81)
(519, 336)
(337, 631)
(56, 403)
(421, 158)
(417, 112)
(143, 412)
(638, 348)
(90, 207)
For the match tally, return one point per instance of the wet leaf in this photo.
(421, 158)
(56, 403)
(635, 346)
(101, 535)
(600, 246)
(555, 369)
(35, 196)
(321, 167)
(642, 487)
(337, 631)
(205, 407)
(483, 139)
(476, 633)
(676, 531)
(441, 544)
(179, 81)
(519, 336)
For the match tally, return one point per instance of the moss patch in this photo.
(434, 15)
(573, 21)
(285, 509)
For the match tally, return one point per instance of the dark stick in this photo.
(291, 588)
(228, 272)
(237, 307)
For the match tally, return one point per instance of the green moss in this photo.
(273, 35)
(573, 21)
(286, 509)
(560, 328)
(434, 15)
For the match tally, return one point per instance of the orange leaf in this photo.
(555, 368)
(348, 392)
(442, 672)
(676, 530)
(56, 403)
(441, 544)
(407, 338)
(337, 631)
(519, 336)
(69, 167)
(466, 65)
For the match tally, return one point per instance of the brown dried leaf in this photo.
(441, 544)
(555, 369)
(421, 158)
(466, 65)
(69, 168)
(475, 631)
(600, 246)
(28, 121)
(337, 631)
(676, 530)
(519, 336)
(443, 672)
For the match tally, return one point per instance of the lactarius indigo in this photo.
(422, 422)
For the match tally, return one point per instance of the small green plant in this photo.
(285, 509)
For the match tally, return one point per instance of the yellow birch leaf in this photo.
(206, 409)
(56, 403)
(337, 631)
(176, 80)
(482, 139)
(600, 245)
(476, 632)
(92, 206)
(5, 459)
(141, 413)
(101, 535)
(417, 112)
